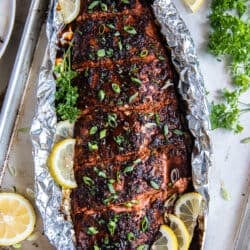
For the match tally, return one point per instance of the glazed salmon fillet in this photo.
(133, 148)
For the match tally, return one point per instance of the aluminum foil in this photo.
(191, 87)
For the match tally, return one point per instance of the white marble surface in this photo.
(231, 160)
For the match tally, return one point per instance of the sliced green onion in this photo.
(128, 46)
(161, 58)
(88, 181)
(136, 80)
(101, 53)
(101, 29)
(111, 188)
(110, 198)
(112, 120)
(100, 173)
(144, 224)
(120, 45)
(142, 247)
(131, 236)
(109, 52)
(93, 130)
(104, 7)
(92, 146)
(103, 133)
(137, 161)
(96, 247)
(245, 140)
(111, 26)
(178, 132)
(112, 226)
(93, 5)
(133, 97)
(117, 33)
(101, 95)
(125, 1)
(130, 29)
(116, 88)
(92, 231)
(144, 53)
(157, 119)
(128, 169)
(154, 185)
(165, 129)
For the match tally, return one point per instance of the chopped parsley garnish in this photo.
(66, 95)
(111, 188)
(128, 169)
(230, 38)
(119, 139)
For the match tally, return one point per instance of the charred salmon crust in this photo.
(133, 148)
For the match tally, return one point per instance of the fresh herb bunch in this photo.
(66, 95)
(230, 37)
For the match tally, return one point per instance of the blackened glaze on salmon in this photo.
(131, 135)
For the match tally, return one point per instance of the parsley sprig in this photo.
(66, 94)
(230, 38)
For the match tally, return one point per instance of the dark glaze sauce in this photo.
(131, 132)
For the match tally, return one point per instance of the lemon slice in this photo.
(64, 130)
(17, 218)
(180, 230)
(187, 208)
(168, 240)
(68, 10)
(60, 163)
(193, 5)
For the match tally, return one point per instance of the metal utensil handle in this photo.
(243, 239)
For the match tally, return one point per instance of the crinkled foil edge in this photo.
(191, 87)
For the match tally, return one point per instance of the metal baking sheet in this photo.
(16, 166)
(20, 74)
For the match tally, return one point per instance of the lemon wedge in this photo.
(68, 10)
(167, 241)
(64, 130)
(60, 163)
(180, 230)
(193, 5)
(17, 218)
(188, 207)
